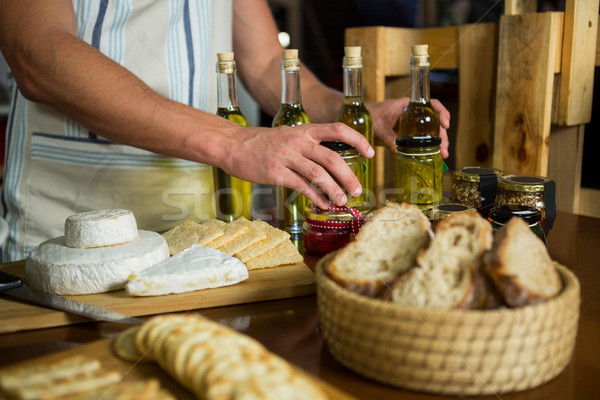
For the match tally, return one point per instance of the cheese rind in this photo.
(195, 268)
(57, 268)
(100, 228)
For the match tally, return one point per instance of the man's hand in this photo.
(387, 113)
(293, 157)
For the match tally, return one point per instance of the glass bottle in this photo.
(290, 204)
(419, 168)
(353, 112)
(233, 196)
(419, 118)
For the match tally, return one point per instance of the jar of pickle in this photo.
(419, 169)
(332, 229)
(476, 187)
(532, 216)
(441, 211)
(357, 164)
(533, 191)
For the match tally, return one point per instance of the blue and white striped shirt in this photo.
(56, 167)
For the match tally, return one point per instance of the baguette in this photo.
(520, 266)
(386, 246)
(446, 275)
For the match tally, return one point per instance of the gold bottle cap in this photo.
(352, 57)
(290, 60)
(225, 63)
(420, 55)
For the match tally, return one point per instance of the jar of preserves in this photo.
(476, 187)
(532, 216)
(329, 230)
(441, 211)
(419, 169)
(533, 191)
(357, 164)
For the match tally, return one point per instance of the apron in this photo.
(55, 167)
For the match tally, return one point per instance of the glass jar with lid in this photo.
(476, 187)
(329, 230)
(357, 164)
(441, 211)
(532, 216)
(532, 191)
(419, 169)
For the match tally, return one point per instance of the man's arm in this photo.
(52, 66)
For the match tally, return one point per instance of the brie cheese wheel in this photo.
(57, 268)
(195, 268)
(100, 228)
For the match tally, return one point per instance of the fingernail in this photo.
(371, 152)
(357, 192)
(342, 199)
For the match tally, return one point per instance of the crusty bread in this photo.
(521, 267)
(446, 271)
(386, 246)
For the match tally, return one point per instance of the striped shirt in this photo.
(55, 167)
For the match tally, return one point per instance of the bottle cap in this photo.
(420, 55)
(225, 63)
(289, 60)
(352, 57)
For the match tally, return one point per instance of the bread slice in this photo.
(254, 234)
(273, 238)
(445, 275)
(521, 267)
(386, 246)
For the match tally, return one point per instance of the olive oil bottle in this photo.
(419, 118)
(419, 165)
(354, 114)
(290, 204)
(233, 196)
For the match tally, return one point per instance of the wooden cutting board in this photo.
(102, 350)
(264, 284)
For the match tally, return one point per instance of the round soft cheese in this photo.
(100, 228)
(57, 268)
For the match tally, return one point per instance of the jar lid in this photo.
(502, 214)
(337, 146)
(523, 183)
(473, 174)
(418, 141)
(446, 209)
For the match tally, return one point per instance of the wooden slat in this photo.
(527, 45)
(477, 76)
(564, 165)
(597, 44)
(578, 59)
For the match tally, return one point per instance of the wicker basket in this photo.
(450, 352)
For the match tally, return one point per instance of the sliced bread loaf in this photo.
(521, 267)
(445, 277)
(386, 246)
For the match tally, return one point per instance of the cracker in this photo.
(232, 231)
(255, 234)
(274, 237)
(283, 254)
(189, 233)
(124, 345)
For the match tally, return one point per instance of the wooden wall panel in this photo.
(526, 60)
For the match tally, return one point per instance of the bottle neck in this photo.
(226, 90)
(420, 83)
(290, 90)
(353, 85)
